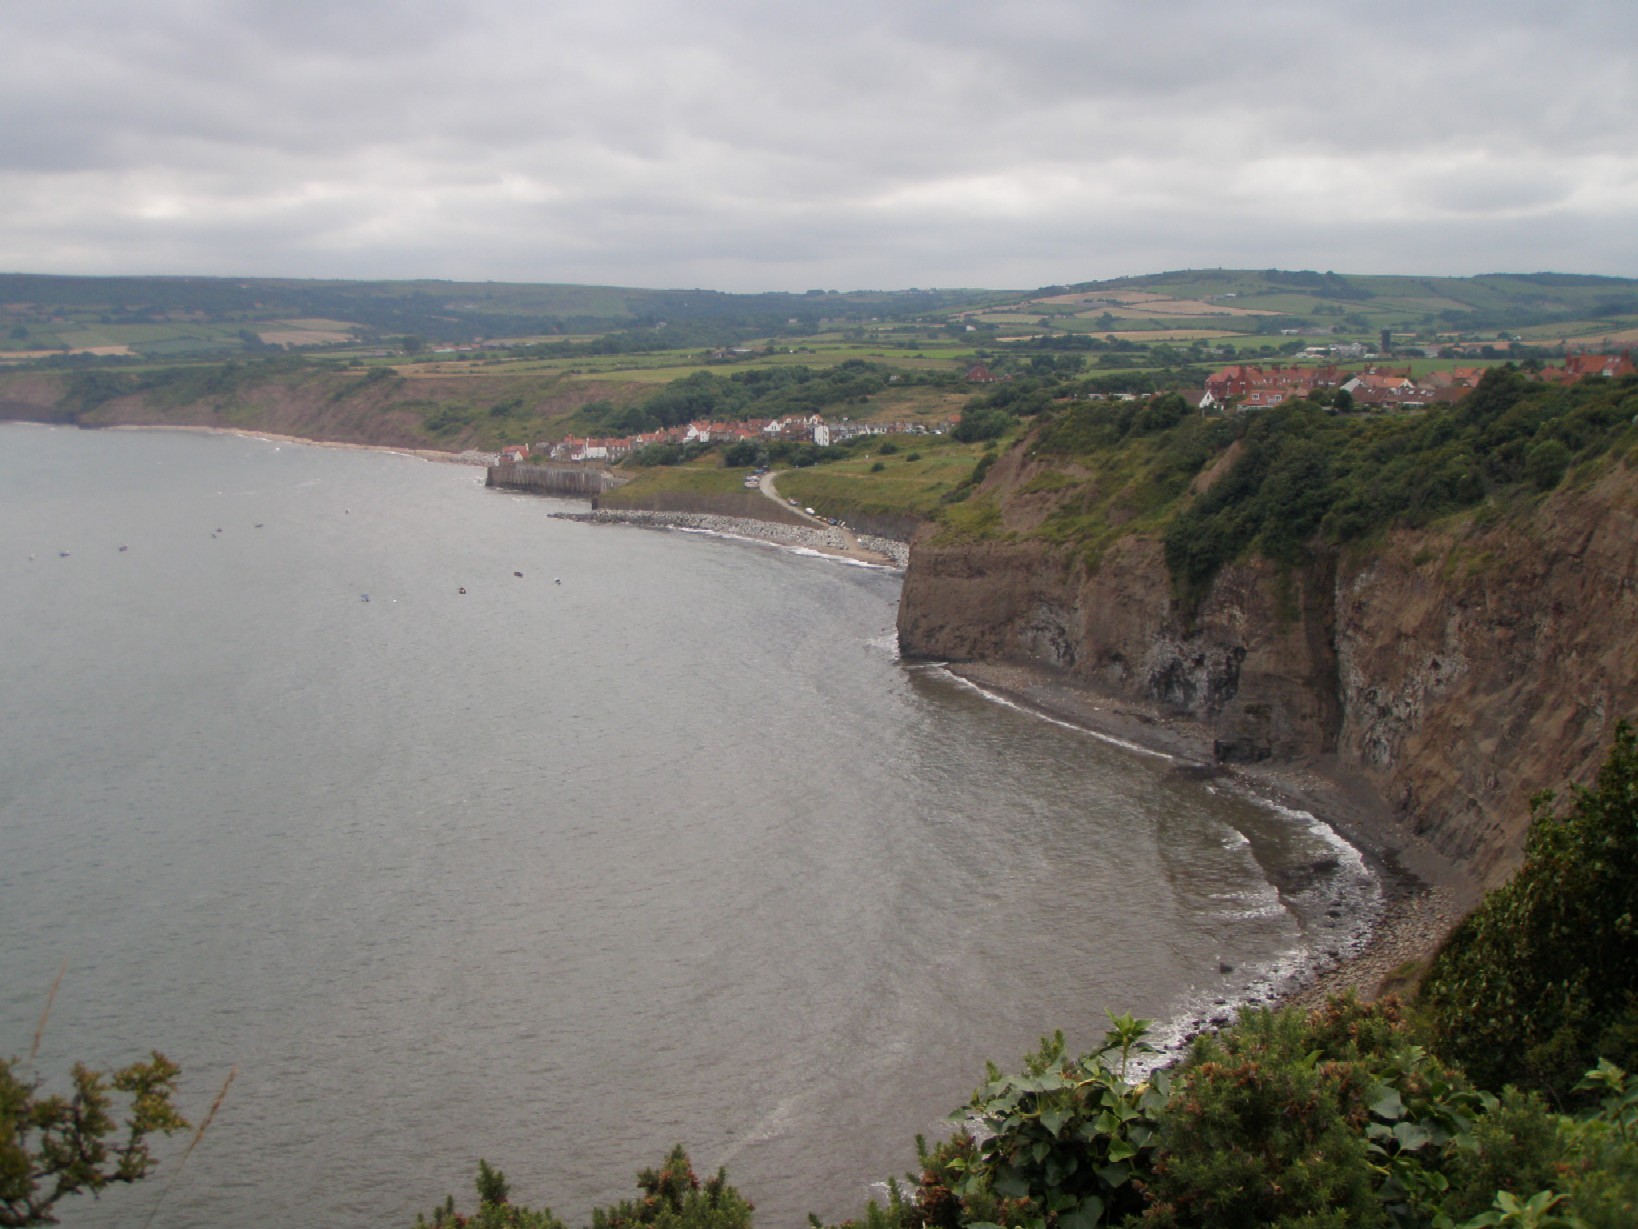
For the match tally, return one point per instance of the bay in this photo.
(658, 842)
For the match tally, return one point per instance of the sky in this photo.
(750, 145)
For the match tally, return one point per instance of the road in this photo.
(849, 539)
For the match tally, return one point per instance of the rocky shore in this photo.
(1424, 893)
(885, 552)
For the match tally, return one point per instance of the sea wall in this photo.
(583, 481)
(1458, 670)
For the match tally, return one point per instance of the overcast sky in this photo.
(850, 144)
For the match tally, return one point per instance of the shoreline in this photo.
(873, 551)
(1424, 895)
(469, 457)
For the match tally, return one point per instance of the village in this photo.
(1247, 387)
(798, 428)
(1238, 387)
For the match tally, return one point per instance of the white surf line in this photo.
(943, 669)
(1262, 982)
(790, 548)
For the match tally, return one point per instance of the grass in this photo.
(703, 477)
(974, 519)
(901, 488)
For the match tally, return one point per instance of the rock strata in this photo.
(1453, 671)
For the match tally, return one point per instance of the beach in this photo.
(879, 552)
(1424, 893)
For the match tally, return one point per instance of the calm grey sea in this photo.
(657, 842)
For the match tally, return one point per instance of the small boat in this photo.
(364, 597)
(518, 574)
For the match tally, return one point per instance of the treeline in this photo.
(460, 311)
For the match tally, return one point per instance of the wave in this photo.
(1342, 889)
(943, 671)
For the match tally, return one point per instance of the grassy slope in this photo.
(903, 487)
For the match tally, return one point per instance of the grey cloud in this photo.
(652, 141)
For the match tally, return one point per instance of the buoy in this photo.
(462, 589)
(558, 580)
(125, 548)
(364, 597)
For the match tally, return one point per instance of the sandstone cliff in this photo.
(1460, 668)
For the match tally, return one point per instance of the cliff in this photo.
(1460, 668)
(448, 411)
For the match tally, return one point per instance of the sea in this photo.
(459, 831)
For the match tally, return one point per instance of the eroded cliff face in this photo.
(1461, 669)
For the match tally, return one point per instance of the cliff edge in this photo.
(1459, 668)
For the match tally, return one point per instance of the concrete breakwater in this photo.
(584, 481)
(810, 537)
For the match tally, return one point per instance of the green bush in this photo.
(1542, 979)
(673, 1198)
(1266, 1124)
(1306, 475)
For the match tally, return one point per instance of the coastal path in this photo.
(849, 544)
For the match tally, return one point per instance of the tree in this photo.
(55, 1146)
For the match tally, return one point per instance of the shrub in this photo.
(1539, 982)
(673, 1198)
(1265, 1128)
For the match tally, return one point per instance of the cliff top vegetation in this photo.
(1279, 482)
